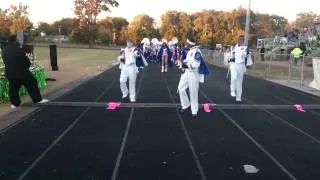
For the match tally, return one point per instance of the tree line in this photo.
(208, 26)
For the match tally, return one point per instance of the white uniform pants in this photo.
(237, 72)
(189, 80)
(128, 72)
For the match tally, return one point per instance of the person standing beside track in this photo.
(129, 70)
(193, 70)
(296, 53)
(17, 72)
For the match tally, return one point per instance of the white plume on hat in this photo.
(175, 40)
(145, 41)
(154, 41)
(191, 42)
(164, 41)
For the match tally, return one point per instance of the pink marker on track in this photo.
(113, 105)
(206, 107)
(299, 108)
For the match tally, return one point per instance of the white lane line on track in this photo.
(314, 139)
(44, 153)
(41, 109)
(266, 152)
(289, 102)
(191, 146)
(294, 91)
(125, 138)
(289, 124)
(21, 120)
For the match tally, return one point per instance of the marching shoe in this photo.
(184, 110)
(43, 101)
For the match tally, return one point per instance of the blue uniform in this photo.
(167, 50)
(139, 60)
(194, 73)
(203, 69)
(184, 53)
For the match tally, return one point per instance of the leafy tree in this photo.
(279, 23)
(88, 11)
(18, 17)
(119, 26)
(79, 35)
(305, 19)
(175, 24)
(65, 26)
(263, 26)
(4, 24)
(141, 26)
(44, 27)
(105, 32)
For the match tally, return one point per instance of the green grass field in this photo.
(77, 58)
(74, 64)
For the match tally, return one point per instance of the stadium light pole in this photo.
(247, 30)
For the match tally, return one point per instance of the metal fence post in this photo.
(212, 56)
(289, 70)
(221, 58)
(255, 61)
(302, 71)
(270, 63)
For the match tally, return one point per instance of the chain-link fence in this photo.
(276, 67)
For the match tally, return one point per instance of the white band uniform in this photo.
(190, 79)
(237, 70)
(128, 71)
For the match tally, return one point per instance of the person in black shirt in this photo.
(262, 51)
(17, 72)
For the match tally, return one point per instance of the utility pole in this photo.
(247, 30)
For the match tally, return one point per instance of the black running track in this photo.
(66, 143)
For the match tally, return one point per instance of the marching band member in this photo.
(164, 55)
(175, 56)
(183, 56)
(238, 68)
(179, 51)
(175, 50)
(147, 52)
(228, 59)
(194, 69)
(129, 71)
(154, 52)
(139, 58)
